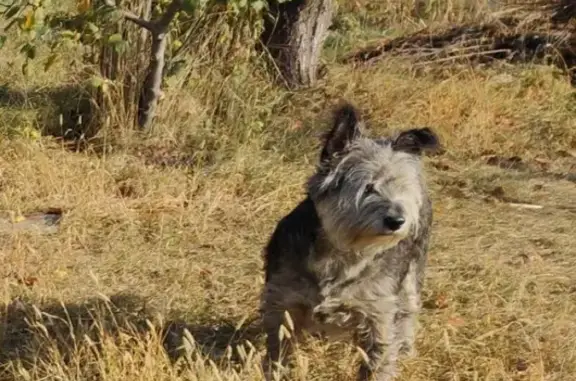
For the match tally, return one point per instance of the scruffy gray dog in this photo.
(350, 257)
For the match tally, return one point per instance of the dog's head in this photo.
(368, 192)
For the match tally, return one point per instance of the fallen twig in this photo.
(525, 206)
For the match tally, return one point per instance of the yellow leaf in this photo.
(105, 87)
(32, 133)
(61, 273)
(19, 218)
(176, 44)
(83, 5)
(29, 20)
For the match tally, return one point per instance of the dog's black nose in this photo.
(394, 222)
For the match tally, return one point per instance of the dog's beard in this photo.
(364, 242)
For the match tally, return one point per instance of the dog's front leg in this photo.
(280, 345)
(377, 339)
(408, 308)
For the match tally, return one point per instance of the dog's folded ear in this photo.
(416, 140)
(346, 127)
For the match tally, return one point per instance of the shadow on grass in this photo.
(65, 111)
(42, 334)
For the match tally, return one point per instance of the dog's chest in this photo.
(343, 277)
(348, 292)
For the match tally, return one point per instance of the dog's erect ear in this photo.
(345, 129)
(416, 140)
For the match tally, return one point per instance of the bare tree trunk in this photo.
(151, 89)
(294, 36)
(152, 84)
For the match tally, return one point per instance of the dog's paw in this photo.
(331, 314)
(320, 315)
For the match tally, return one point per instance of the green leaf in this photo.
(176, 44)
(92, 27)
(2, 41)
(68, 34)
(259, 5)
(120, 47)
(115, 39)
(189, 5)
(96, 82)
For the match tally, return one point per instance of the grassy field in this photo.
(163, 235)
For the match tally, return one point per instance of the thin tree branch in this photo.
(139, 21)
(148, 25)
(167, 17)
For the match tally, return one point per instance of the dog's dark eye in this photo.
(369, 190)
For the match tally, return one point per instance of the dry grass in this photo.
(148, 247)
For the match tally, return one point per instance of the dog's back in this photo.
(291, 241)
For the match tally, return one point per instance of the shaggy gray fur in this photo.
(350, 258)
